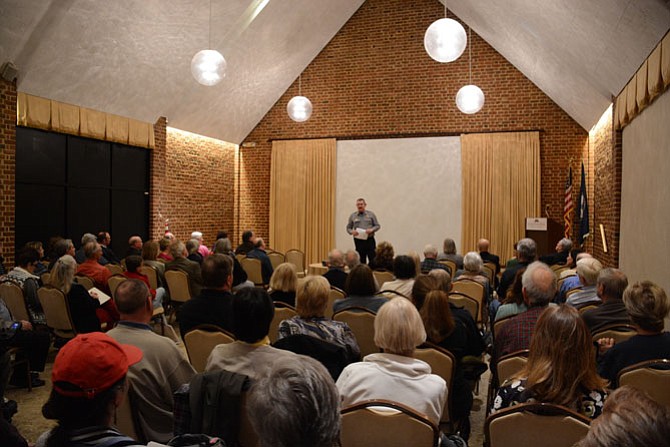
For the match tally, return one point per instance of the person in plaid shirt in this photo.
(539, 287)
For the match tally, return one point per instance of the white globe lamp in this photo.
(299, 109)
(445, 40)
(208, 67)
(470, 99)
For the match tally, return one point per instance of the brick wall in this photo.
(374, 79)
(606, 144)
(192, 184)
(7, 168)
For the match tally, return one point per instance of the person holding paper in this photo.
(362, 226)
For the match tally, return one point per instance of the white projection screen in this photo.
(644, 251)
(413, 185)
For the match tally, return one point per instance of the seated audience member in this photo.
(430, 261)
(472, 271)
(104, 239)
(202, 247)
(251, 354)
(91, 268)
(384, 255)
(360, 289)
(394, 374)
(513, 304)
(133, 264)
(284, 283)
(248, 243)
(89, 384)
(526, 250)
(134, 246)
(296, 404)
(164, 247)
(352, 259)
(629, 418)
(192, 246)
(40, 267)
(587, 270)
(449, 253)
(224, 247)
(336, 275)
(571, 263)
(259, 253)
(417, 262)
(561, 366)
(539, 288)
(610, 287)
(451, 334)
(150, 251)
(571, 279)
(163, 368)
(647, 305)
(563, 248)
(80, 256)
(86, 311)
(483, 247)
(404, 269)
(423, 285)
(61, 248)
(179, 262)
(23, 276)
(513, 261)
(34, 345)
(311, 302)
(214, 304)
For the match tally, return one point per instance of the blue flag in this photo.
(583, 207)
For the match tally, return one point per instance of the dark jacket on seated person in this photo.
(210, 307)
(192, 269)
(266, 264)
(609, 312)
(336, 276)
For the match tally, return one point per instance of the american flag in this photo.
(567, 206)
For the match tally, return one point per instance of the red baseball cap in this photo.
(93, 362)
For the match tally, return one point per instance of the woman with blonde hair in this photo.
(384, 255)
(395, 374)
(561, 367)
(311, 301)
(283, 283)
(85, 310)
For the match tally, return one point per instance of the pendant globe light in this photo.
(208, 67)
(445, 39)
(470, 98)
(299, 108)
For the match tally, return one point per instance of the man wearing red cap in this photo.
(89, 384)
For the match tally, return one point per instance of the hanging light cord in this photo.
(470, 50)
(300, 85)
(209, 47)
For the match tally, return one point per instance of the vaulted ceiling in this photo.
(132, 58)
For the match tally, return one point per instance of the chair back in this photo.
(333, 356)
(297, 258)
(46, 278)
(254, 271)
(361, 321)
(201, 340)
(545, 425)
(474, 290)
(583, 309)
(281, 313)
(652, 376)
(276, 259)
(489, 270)
(127, 419)
(114, 282)
(466, 302)
(114, 269)
(150, 273)
(442, 362)
(382, 423)
(451, 265)
(240, 256)
(510, 364)
(177, 282)
(335, 294)
(13, 297)
(390, 294)
(56, 311)
(619, 332)
(84, 281)
(383, 276)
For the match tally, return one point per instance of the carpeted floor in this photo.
(31, 424)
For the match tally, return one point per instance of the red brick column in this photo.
(7, 168)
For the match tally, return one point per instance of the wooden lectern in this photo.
(545, 232)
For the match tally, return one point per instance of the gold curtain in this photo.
(501, 187)
(302, 197)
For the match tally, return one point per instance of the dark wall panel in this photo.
(40, 212)
(129, 216)
(129, 167)
(87, 211)
(40, 157)
(88, 162)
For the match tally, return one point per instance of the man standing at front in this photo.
(362, 226)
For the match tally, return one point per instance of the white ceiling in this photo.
(132, 57)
